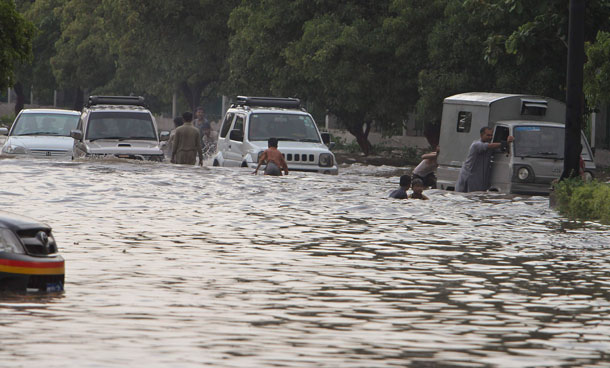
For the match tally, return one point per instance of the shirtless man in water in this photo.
(274, 159)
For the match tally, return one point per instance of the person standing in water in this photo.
(401, 192)
(274, 159)
(187, 143)
(418, 188)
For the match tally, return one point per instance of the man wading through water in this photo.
(187, 143)
(274, 159)
(476, 170)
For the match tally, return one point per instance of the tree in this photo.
(39, 73)
(597, 70)
(347, 58)
(84, 57)
(164, 46)
(15, 42)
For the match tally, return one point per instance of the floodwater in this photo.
(175, 266)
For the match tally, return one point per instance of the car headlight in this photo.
(523, 173)
(14, 150)
(325, 160)
(9, 242)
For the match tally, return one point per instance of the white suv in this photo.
(117, 126)
(251, 121)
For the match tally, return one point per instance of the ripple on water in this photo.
(181, 266)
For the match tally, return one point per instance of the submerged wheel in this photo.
(215, 163)
(244, 164)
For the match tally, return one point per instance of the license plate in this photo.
(55, 286)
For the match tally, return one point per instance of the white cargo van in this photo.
(530, 163)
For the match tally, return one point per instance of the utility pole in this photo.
(574, 95)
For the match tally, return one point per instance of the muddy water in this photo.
(183, 266)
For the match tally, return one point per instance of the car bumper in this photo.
(19, 272)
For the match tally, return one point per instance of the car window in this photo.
(120, 125)
(239, 123)
(288, 127)
(226, 125)
(45, 124)
(539, 141)
(464, 121)
(501, 134)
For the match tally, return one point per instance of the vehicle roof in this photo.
(269, 110)
(50, 111)
(513, 123)
(117, 108)
(486, 98)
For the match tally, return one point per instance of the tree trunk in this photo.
(78, 99)
(574, 96)
(20, 101)
(192, 94)
(361, 132)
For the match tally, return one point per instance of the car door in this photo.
(501, 167)
(223, 136)
(236, 141)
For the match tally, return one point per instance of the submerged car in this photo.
(41, 133)
(251, 121)
(117, 126)
(29, 258)
(531, 163)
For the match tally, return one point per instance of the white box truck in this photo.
(530, 163)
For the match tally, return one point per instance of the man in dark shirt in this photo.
(401, 193)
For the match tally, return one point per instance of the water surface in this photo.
(184, 266)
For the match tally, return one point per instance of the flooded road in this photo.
(174, 266)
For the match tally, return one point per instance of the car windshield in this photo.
(287, 127)
(120, 125)
(53, 124)
(542, 141)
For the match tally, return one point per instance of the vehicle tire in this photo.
(215, 163)
(244, 164)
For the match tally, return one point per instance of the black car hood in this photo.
(17, 222)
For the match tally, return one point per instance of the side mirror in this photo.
(331, 145)
(164, 135)
(325, 138)
(3, 131)
(236, 135)
(76, 134)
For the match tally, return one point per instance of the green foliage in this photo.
(597, 70)
(583, 201)
(16, 35)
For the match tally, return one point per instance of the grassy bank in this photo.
(580, 201)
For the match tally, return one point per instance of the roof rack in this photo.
(116, 100)
(290, 103)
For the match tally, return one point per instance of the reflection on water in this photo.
(186, 266)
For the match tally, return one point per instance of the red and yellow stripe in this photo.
(32, 268)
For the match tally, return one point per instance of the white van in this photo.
(251, 121)
(531, 162)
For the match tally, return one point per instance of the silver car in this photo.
(41, 133)
(117, 126)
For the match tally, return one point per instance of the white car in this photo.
(41, 133)
(251, 121)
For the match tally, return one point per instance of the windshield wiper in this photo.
(286, 139)
(309, 140)
(41, 133)
(547, 153)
